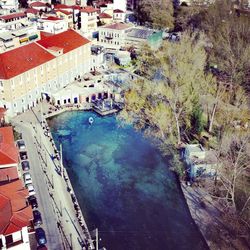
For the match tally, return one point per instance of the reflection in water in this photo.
(124, 186)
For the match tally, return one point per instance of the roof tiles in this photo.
(67, 40)
(22, 59)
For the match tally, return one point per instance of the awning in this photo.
(33, 37)
(19, 33)
(6, 36)
(8, 44)
(22, 40)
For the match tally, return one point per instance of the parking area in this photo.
(37, 234)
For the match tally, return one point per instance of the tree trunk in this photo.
(178, 129)
(211, 121)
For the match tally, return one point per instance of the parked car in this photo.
(37, 218)
(27, 178)
(40, 236)
(42, 247)
(23, 155)
(25, 165)
(21, 145)
(32, 201)
(31, 189)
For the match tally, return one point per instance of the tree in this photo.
(232, 186)
(162, 107)
(158, 13)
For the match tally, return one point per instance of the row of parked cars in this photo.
(37, 217)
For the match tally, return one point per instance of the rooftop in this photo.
(118, 11)
(89, 9)
(140, 33)
(67, 40)
(14, 15)
(8, 174)
(117, 26)
(22, 59)
(8, 150)
(14, 212)
(38, 4)
(104, 15)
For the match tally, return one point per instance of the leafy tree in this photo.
(197, 119)
(163, 108)
(158, 13)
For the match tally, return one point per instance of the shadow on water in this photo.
(124, 187)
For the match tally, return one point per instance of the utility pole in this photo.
(96, 239)
(61, 160)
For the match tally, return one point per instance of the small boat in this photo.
(91, 120)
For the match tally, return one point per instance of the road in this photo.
(42, 193)
(64, 223)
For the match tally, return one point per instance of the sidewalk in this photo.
(70, 221)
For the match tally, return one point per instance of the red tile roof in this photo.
(67, 40)
(89, 9)
(104, 15)
(117, 26)
(64, 12)
(2, 112)
(118, 11)
(38, 4)
(44, 34)
(14, 212)
(8, 150)
(52, 18)
(32, 11)
(8, 174)
(14, 15)
(22, 59)
(62, 6)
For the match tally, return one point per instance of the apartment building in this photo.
(88, 20)
(13, 21)
(16, 216)
(113, 35)
(52, 24)
(9, 4)
(31, 72)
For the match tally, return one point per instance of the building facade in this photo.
(48, 65)
(113, 36)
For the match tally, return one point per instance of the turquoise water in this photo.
(124, 186)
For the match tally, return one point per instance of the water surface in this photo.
(124, 186)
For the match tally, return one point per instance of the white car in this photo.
(27, 179)
(31, 189)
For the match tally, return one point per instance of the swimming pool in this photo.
(123, 185)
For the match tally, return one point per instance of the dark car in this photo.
(21, 145)
(37, 218)
(42, 247)
(40, 236)
(33, 202)
(23, 155)
(25, 165)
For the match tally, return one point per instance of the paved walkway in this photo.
(63, 221)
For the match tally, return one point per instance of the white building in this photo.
(113, 35)
(37, 69)
(119, 15)
(97, 57)
(9, 4)
(13, 21)
(52, 24)
(88, 21)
